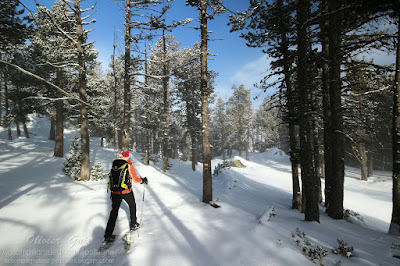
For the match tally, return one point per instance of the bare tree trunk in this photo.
(294, 155)
(85, 167)
(248, 144)
(116, 136)
(127, 94)
(194, 153)
(52, 134)
(26, 132)
(316, 144)
(310, 182)
(395, 221)
(370, 165)
(59, 138)
(335, 207)
(147, 130)
(18, 129)
(166, 106)
(2, 81)
(59, 145)
(294, 159)
(363, 162)
(8, 115)
(328, 169)
(205, 115)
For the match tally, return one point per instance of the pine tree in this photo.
(187, 92)
(239, 114)
(97, 172)
(218, 7)
(14, 31)
(219, 132)
(72, 166)
(266, 126)
(54, 55)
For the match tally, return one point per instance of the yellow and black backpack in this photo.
(119, 176)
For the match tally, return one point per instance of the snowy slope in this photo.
(48, 219)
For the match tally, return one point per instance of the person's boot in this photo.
(135, 227)
(109, 238)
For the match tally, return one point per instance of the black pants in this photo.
(116, 203)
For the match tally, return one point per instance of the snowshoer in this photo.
(120, 184)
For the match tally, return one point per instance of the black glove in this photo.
(144, 180)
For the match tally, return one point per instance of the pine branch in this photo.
(47, 98)
(42, 79)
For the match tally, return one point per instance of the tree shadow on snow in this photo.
(191, 247)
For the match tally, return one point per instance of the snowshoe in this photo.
(128, 237)
(107, 242)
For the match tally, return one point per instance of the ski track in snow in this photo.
(48, 219)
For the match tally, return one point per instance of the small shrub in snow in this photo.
(269, 213)
(300, 233)
(221, 166)
(353, 217)
(343, 249)
(395, 246)
(97, 172)
(313, 253)
(272, 213)
(72, 167)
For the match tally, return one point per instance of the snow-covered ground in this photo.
(48, 219)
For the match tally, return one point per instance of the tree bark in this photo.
(166, 106)
(1, 93)
(59, 145)
(52, 134)
(127, 94)
(294, 156)
(328, 169)
(8, 115)
(207, 175)
(147, 130)
(370, 165)
(116, 135)
(26, 132)
(18, 129)
(395, 221)
(85, 167)
(310, 182)
(363, 161)
(335, 207)
(194, 153)
(59, 138)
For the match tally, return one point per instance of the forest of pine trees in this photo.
(330, 105)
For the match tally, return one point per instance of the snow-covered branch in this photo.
(42, 98)
(42, 79)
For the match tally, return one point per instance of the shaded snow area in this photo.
(48, 219)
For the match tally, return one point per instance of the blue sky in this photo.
(235, 64)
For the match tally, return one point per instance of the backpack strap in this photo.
(123, 175)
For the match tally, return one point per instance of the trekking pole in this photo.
(141, 210)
